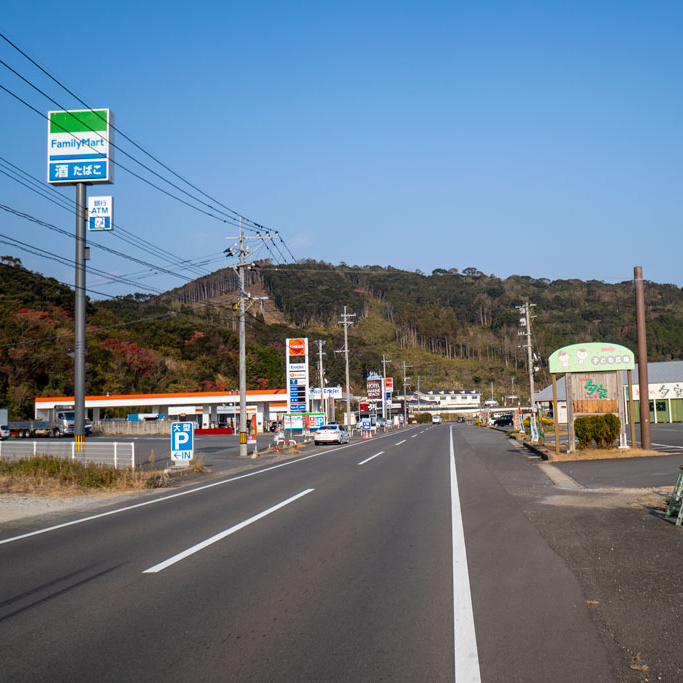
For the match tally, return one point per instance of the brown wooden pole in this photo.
(643, 382)
(632, 417)
(556, 418)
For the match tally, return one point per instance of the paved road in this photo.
(403, 558)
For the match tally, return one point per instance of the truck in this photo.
(59, 423)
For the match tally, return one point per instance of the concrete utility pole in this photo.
(384, 390)
(347, 322)
(79, 319)
(418, 394)
(405, 394)
(321, 375)
(525, 322)
(643, 381)
(242, 250)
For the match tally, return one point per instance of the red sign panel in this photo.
(297, 347)
(388, 384)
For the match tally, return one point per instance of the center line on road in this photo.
(209, 541)
(400, 442)
(370, 458)
(465, 638)
(413, 436)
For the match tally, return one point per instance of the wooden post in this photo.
(556, 417)
(571, 447)
(629, 376)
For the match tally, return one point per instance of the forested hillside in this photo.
(454, 329)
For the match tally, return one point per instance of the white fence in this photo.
(116, 454)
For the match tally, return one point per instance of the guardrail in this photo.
(118, 455)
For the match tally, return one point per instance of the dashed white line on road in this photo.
(413, 436)
(210, 541)
(400, 442)
(370, 458)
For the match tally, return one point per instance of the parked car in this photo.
(331, 434)
(503, 421)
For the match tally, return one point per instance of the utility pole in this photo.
(643, 382)
(347, 322)
(79, 319)
(384, 389)
(418, 393)
(525, 322)
(321, 375)
(405, 395)
(242, 250)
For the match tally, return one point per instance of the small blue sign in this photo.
(63, 171)
(182, 441)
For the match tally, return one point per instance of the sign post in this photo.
(182, 443)
(79, 153)
(296, 351)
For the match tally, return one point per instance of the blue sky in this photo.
(537, 138)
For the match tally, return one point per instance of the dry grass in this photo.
(600, 453)
(57, 478)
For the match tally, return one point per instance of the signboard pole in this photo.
(631, 414)
(79, 319)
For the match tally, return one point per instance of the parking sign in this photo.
(182, 441)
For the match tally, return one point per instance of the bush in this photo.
(603, 429)
(613, 427)
(600, 431)
(583, 428)
(423, 418)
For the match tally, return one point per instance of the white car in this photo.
(331, 434)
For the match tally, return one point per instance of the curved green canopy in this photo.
(593, 356)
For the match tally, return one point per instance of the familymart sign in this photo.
(79, 147)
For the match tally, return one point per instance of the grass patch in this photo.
(46, 475)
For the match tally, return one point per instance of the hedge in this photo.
(603, 429)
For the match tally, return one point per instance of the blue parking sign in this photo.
(182, 441)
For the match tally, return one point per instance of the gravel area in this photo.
(17, 505)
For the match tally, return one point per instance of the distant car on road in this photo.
(436, 419)
(503, 421)
(332, 433)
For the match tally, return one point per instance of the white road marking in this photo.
(400, 442)
(666, 445)
(370, 458)
(465, 638)
(223, 534)
(81, 520)
(413, 436)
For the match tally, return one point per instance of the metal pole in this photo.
(348, 381)
(321, 375)
(79, 318)
(405, 395)
(244, 450)
(643, 382)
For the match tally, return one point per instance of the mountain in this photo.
(453, 329)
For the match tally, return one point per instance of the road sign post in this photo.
(79, 153)
(182, 443)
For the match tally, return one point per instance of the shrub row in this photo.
(603, 429)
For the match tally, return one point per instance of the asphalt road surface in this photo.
(410, 557)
